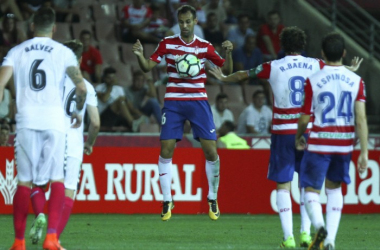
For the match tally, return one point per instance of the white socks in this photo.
(305, 220)
(333, 213)
(165, 171)
(314, 209)
(212, 172)
(284, 205)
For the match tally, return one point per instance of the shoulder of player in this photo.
(201, 40)
(169, 38)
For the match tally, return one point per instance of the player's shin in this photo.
(165, 172)
(284, 205)
(334, 208)
(212, 172)
(305, 220)
(68, 206)
(20, 210)
(56, 201)
(314, 209)
(38, 200)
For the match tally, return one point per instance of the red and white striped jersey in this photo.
(185, 89)
(331, 95)
(136, 15)
(286, 77)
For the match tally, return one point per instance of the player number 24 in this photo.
(344, 109)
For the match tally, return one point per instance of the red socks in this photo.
(56, 201)
(69, 203)
(38, 200)
(20, 210)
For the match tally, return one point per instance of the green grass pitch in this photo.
(192, 232)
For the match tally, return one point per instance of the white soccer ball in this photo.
(188, 65)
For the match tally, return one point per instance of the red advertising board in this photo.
(125, 180)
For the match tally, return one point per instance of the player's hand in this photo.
(362, 162)
(355, 63)
(301, 143)
(137, 48)
(217, 73)
(76, 120)
(87, 148)
(228, 46)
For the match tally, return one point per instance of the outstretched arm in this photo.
(228, 64)
(145, 64)
(235, 77)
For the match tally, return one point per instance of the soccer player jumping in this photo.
(336, 96)
(286, 77)
(186, 99)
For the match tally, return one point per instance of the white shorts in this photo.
(40, 155)
(72, 172)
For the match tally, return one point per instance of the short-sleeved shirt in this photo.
(90, 58)
(265, 30)
(189, 88)
(74, 137)
(39, 68)
(330, 95)
(116, 92)
(136, 97)
(136, 15)
(249, 61)
(259, 120)
(237, 38)
(219, 119)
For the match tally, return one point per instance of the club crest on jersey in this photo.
(196, 50)
(8, 185)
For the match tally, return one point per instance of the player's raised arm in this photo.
(5, 74)
(228, 64)
(235, 77)
(145, 64)
(355, 64)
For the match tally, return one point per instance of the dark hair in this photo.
(186, 8)
(273, 12)
(241, 16)
(76, 46)
(85, 32)
(229, 125)
(209, 15)
(258, 92)
(221, 96)
(109, 70)
(43, 19)
(293, 39)
(137, 73)
(333, 46)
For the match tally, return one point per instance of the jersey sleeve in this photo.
(307, 98)
(361, 94)
(250, 119)
(159, 53)
(70, 58)
(91, 98)
(9, 59)
(262, 71)
(213, 56)
(321, 63)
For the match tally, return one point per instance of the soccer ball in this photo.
(188, 65)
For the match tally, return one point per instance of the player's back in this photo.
(39, 66)
(287, 77)
(335, 90)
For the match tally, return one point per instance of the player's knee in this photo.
(332, 185)
(283, 185)
(210, 154)
(69, 193)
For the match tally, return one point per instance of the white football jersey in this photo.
(39, 69)
(331, 95)
(286, 77)
(75, 135)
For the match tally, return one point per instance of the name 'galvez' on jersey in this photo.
(286, 77)
(331, 95)
(186, 89)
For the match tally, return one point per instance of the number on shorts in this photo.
(163, 119)
(37, 77)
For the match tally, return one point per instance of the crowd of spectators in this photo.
(129, 98)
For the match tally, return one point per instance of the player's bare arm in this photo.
(145, 64)
(228, 64)
(93, 129)
(302, 126)
(235, 77)
(80, 91)
(5, 74)
(362, 132)
(355, 64)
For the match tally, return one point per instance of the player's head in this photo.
(44, 21)
(258, 98)
(85, 37)
(109, 76)
(333, 47)
(187, 19)
(227, 126)
(138, 80)
(221, 102)
(273, 18)
(293, 40)
(76, 46)
(4, 134)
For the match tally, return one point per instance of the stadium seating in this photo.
(249, 90)
(236, 110)
(234, 92)
(78, 27)
(110, 52)
(63, 32)
(161, 93)
(105, 31)
(84, 11)
(212, 92)
(105, 11)
(127, 55)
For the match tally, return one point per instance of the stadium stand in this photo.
(78, 27)
(105, 31)
(248, 91)
(105, 11)
(234, 92)
(212, 92)
(149, 128)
